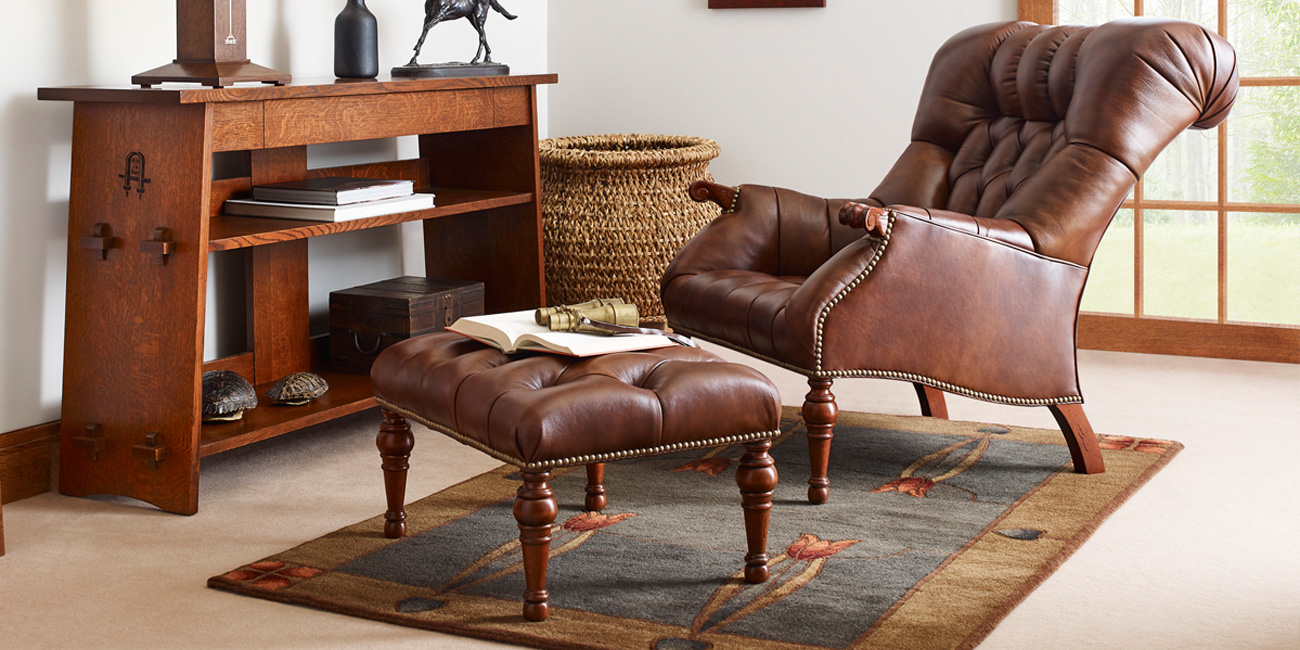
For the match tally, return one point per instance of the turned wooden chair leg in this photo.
(1079, 437)
(819, 413)
(395, 442)
(933, 404)
(596, 486)
(756, 477)
(535, 511)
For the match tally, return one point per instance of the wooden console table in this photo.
(145, 212)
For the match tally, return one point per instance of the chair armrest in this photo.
(722, 195)
(966, 312)
(766, 229)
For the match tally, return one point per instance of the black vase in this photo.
(356, 42)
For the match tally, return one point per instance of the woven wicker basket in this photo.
(615, 211)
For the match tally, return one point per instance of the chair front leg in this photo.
(1079, 437)
(932, 401)
(819, 413)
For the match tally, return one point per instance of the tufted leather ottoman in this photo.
(541, 412)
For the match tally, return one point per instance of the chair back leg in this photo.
(933, 404)
(1079, 437)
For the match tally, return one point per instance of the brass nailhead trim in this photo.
(887, 374)
(871, 265)
(735, 202)
(878, 374)
(585, 459)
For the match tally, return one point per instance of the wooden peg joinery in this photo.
(151, 450)
(100, 241)
(92, 442)
(160, 246)
(133, 336)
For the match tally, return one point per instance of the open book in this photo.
(518, 330)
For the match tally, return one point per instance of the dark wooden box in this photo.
(366, 319)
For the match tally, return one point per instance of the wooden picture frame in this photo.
(755, 4)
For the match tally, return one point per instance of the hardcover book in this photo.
(518, 331)
(333, 190)
(316, 212)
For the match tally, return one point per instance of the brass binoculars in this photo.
(569, 318)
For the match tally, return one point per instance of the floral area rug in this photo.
(934, 532)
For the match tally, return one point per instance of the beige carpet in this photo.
(1203, 557)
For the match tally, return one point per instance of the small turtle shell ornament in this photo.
(226, 395)
(298, 388)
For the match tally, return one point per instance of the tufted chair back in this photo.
(963, 270)
(1051, 127)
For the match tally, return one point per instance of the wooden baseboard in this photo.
(29, 461)
(1189, 338)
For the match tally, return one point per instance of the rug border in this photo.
(977, 634)
(1085, 532)
(221, 583)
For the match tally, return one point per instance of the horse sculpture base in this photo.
(452, 69)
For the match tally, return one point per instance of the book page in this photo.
(519, 329)
(588, 345)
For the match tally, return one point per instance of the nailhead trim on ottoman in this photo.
(540, 411)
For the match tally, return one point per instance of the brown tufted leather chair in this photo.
(977, 245)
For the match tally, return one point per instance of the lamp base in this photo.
(210, 73)
(453, 69)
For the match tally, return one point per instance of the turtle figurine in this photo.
(298, 388)
(226, 395)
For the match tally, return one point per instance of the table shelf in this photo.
(347, 394)
(232, 232)
(144, 220)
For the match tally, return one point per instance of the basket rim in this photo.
(591, 151)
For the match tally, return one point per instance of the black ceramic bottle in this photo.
(356, 42)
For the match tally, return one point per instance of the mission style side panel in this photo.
(137, 270)
(511, 268)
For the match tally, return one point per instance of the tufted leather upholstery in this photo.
(1050, 127)
(1026, 135)
(546, 410)
(1026, 140)
(543, 411)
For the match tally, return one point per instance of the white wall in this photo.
(104, 42)
(815, 99)
(819, 100)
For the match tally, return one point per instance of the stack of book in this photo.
(331, 198)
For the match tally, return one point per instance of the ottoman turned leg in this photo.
(596, 486)
(395, 442)
(756, 477)
(535, 511)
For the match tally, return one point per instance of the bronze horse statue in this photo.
(476, 11)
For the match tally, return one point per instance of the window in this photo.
(1204, 257)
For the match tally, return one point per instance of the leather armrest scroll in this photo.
(871, 218)
(726, 197)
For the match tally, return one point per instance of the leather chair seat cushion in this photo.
(536, 409)
(745, 309)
